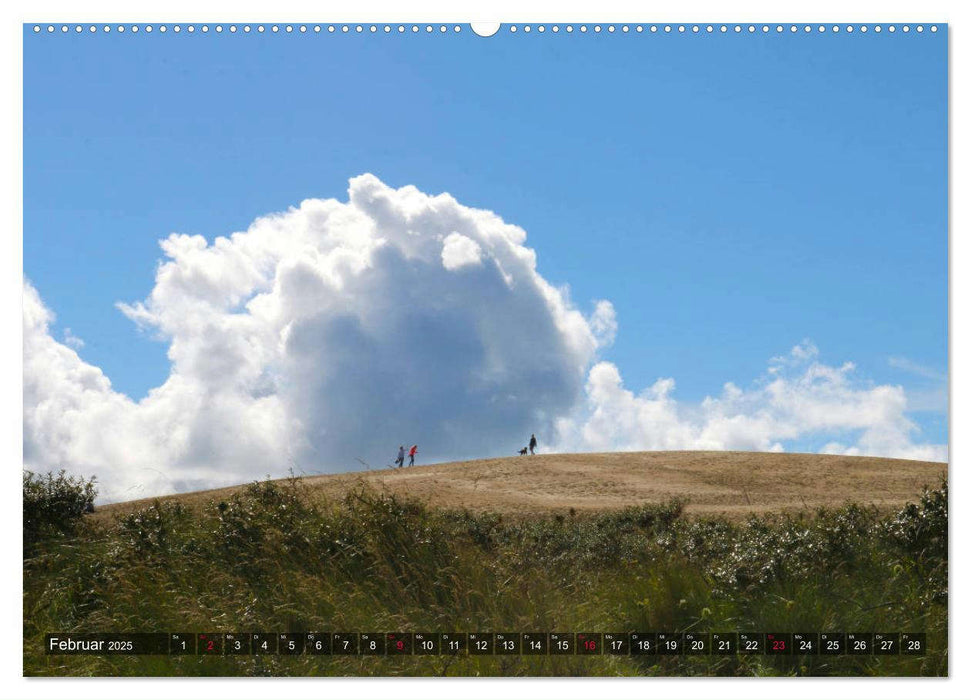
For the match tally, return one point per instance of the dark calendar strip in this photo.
(489, 643)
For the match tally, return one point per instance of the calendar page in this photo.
(657, 313)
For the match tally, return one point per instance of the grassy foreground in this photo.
(276, 558)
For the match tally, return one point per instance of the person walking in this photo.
(401, 456)
(532, 444)
(411, 453)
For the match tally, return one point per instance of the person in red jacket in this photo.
(411, 454)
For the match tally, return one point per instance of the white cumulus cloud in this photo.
(332, 331)
(337, 330)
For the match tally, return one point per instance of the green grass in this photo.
(276, 559)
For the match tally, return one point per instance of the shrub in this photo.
(53, 505)
(150, 530)
(919, 533)
(920, 529)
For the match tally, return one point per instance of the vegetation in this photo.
(53, 505)
(274, 558)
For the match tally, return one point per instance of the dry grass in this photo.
(730, 484)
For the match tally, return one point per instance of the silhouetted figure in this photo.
(411, 453)
(532, 444)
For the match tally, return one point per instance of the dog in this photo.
(524, 450)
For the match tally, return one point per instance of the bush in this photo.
(149, 531)
(920, 529)
(919, 533)
(53, 505)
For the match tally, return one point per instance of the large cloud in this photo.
(325, 333)
(338, 330)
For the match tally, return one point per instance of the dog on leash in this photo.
(524, 450)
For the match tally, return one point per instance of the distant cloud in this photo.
(797, 398)
(902, 363)
(71, 340)
(929, 391)
(603, 323)
(339, 330)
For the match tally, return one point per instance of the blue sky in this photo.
(730, 195)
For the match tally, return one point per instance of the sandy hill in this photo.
(728, 483)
